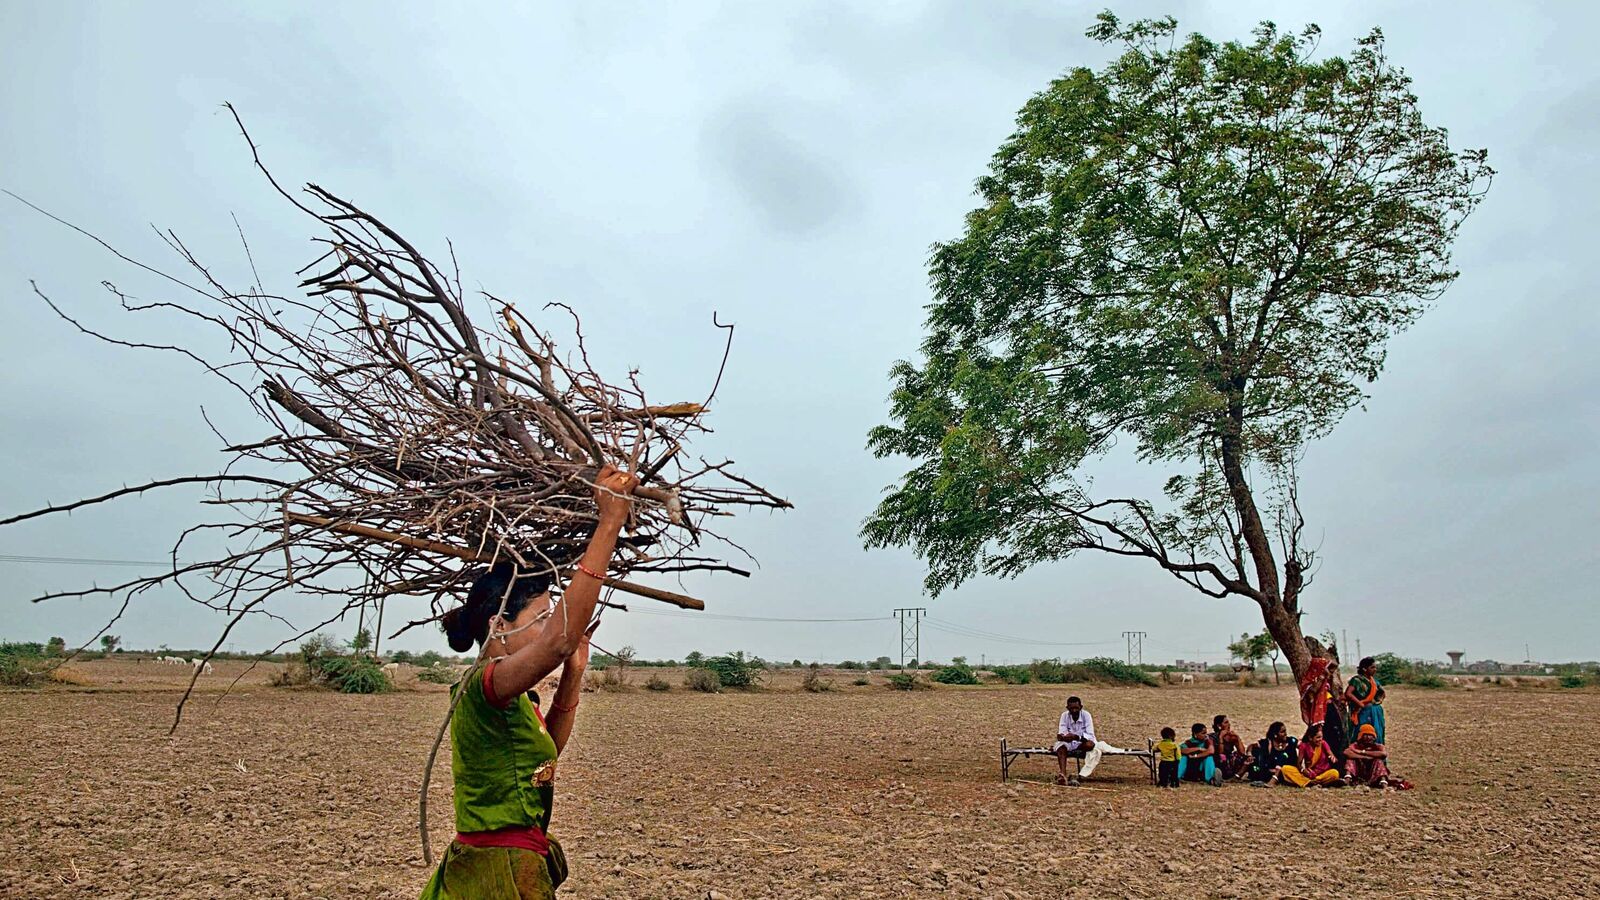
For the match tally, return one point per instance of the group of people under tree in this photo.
(1343, 743)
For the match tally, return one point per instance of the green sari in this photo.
(1367, 710)
(503, 762)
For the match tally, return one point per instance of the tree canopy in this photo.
(1202, 247)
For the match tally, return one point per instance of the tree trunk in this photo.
(1284, 626)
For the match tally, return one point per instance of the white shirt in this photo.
(1082, 727)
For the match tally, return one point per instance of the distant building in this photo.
(1190, 665)
(1455, 657)
(1484, 667)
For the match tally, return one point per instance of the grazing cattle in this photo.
(202, 665)
(1187, 678)
(391, 670)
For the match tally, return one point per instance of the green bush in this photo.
(861, 682)
(1095, 670)
(401, 656)
(703, 680)
(958, 672)
(1014, 674)
(1425, 680)
(656, 683)
(906, 681)
(1573, 680)
(322, 661)
(354, 674)
(1104, 668)
(21, 664)
(1391, 669)
(735, 670)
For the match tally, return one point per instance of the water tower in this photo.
(1455, 657)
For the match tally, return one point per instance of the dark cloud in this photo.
(794, 189)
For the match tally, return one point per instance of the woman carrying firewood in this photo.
(503, 751)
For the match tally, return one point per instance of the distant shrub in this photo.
(813, 682)
(355, 675)
(402, 656)
(703, 680)
(322, 661)
(958, 672)
(1013, 674)
(440, 674)
(1425, 680)
(851, 665)
(1095, 670)
(906, 681)
(656, 683)
(1573, 680)
(735, 670)
(1391, 669)
(861, 682)
(429, 658)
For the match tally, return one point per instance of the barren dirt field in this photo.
(862, 792)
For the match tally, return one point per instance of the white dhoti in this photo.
(1091, 757)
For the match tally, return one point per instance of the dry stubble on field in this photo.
(861, 792)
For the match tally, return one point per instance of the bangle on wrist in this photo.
(556, 707)
(590, 572)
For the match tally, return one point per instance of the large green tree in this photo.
(1202, 248)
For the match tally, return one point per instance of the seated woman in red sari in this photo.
(1366, 761)
(1317, 766)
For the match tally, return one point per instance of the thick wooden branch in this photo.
(430, 546)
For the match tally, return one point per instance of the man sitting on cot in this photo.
(1075, 738)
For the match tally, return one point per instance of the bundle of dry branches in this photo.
(409, 445)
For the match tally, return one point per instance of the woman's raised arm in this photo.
(563, 632)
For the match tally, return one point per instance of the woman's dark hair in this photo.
(1365, 662)
(1168, 734)
(1313, 731)
(1197, 728)
(1275, 728)
(1216, 721)
(469, 622)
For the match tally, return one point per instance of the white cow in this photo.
(1187, 678)
(201, 664)
(391, 670)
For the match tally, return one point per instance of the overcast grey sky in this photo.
(787, 165)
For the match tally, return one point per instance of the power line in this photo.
(967, 631)
(80, 561)
(732, 618)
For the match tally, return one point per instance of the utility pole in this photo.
(377, 633)
(910, 632)
(1135, 641)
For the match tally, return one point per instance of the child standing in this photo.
(1167, 758)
